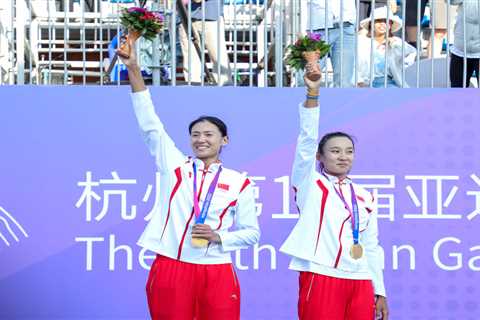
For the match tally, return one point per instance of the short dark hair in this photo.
(213, 120)
(331, 135)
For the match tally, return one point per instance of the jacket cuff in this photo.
(141, 98)
(226, 240)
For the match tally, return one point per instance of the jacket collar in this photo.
(201, 165)
(336, 180)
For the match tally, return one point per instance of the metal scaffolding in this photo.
(73, 42)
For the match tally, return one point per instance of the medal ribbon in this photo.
(201, 215)
(353, 212)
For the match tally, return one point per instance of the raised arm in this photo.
(161, 147)
(134, 73)
(305, 153)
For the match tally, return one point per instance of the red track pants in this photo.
(328, 298)
(179, 290)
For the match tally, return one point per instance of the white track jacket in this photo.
(320, 241)
(169, 231)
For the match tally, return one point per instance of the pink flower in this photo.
(147, 16)
(158, 16)
(314, 36)
(137, 9)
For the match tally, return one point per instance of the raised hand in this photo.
(134, 73)
(312, 86)
(204, 231)
(315, 85)
(131, 60)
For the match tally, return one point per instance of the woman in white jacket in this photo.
(205, 212)
(334, 245)
(466, 45)
(387, 53)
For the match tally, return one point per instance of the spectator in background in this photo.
(467, 27)
(214, 24)
(366, 7)
(438, 13)
(411, 20)
(339, 18)
(387, 53)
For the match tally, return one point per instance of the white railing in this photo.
(70, 42)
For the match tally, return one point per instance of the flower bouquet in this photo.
(138, 22)
(307, 50)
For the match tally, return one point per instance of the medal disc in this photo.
(199, 243)
(356, 251)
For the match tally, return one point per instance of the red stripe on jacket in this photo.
(245, 184)
(180, 247)
(178, 174)
(369, 210)
(322, 208)
(233, 203)
(340, 241)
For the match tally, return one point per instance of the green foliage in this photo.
(306, 43)
(147, 24)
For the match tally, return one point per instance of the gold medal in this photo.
(356, 251)
(199, 243)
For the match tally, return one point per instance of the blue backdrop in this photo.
(77, 186)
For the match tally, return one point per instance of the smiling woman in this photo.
(334, 244)
(193, 276)
(383, 54)
(207, 137)
(336, 153)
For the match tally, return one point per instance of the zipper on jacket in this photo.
(204, 173)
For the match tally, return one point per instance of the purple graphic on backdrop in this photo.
(79, 185)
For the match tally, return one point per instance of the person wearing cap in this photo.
(334, 245)
(389, 52)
